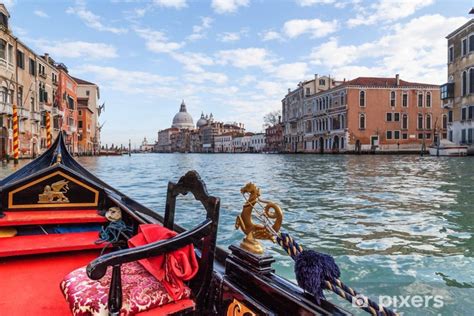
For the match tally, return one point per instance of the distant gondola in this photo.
(72, 244)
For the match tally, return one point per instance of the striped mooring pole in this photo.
(48, 129)
(16, 144)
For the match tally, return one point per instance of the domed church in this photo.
(182, 119)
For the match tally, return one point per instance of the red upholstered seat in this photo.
(140, 290)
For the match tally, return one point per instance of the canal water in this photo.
(399, 227)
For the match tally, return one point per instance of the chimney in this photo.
(330, 82)
(46, 57)
(397, 78)
(315, 83)
(279, 117)
(289, 90)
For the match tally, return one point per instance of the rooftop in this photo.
(383, 82)
(81, 81)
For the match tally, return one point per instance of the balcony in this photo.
(448, 105)
(55, 111)
(35, 116)
(72, 129)
(6, 108)
(45, 107)
(5, 65)
(23, 113)
(447, 91)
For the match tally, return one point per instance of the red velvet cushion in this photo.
(140, 290)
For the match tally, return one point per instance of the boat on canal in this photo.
(447, 148)
(72, 244)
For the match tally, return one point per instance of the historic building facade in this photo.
(373, 114)
(293, 110)
(458, 93)
(39, 87)
(274, 138)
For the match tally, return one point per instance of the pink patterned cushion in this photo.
(140, 290)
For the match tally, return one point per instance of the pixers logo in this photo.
(407, 301)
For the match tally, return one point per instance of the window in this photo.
(470, 113)
(392, 98)
(361, 121)
(20, 59)
(322, 82)
(420, 99)
(463, 114)
(450, 136)
(428, 121)
(32, 67)
(404, 136)
(80, 112)
(469, 136)
(389, 117)
(463, 136)
(3, 20)
(20, 96)
(420, 135)
(389, 134)
(428, 136)
(396, 117)
(450, 116)
(471, 42)
(70, 102)
(396, 134)
(471, 78)
(79, 124)
(405, 99)
(420, 121)
(463, 46)
(464, 83)
(308, 91)
(362, 98)
(445, 121)
(405, 121)
(343, 101)
(428, 99)
(10, 53)
(447, 91)
(450, 54)
(3, 46)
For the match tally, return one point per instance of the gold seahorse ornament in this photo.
(270, 211)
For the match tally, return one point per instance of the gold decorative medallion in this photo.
(236, 308)
(54, 193)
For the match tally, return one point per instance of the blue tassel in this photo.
(312, 269)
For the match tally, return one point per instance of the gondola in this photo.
(72, 244)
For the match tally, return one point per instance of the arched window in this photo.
(428, 121)
(428, 99)
(420, 99)
(392, 98)
(420, 121)
(464, 83)
(471, 80)
(342, 122)
(405, 121)
(445, 121)
(361, 121)
(362, 98)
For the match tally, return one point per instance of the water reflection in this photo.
(396, 224)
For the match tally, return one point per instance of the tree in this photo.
(271, 118)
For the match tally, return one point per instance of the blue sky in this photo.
(234, 58)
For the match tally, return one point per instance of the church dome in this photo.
(183, 119)
(202, 121)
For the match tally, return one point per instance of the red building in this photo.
(65, 110)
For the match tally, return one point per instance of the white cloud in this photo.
(92, 20)
(416, 50)
(228, 6)
(200, 77)
(315, 27)
(291, 72)
(247, 79)
(270, 36)
(307, 3)
(177, 4)
(245, 57)
(9, 3)
(157, 42)
(227, 37)
(125, 81)
(271, 88)
(387, 11)
(193, 62)
(199, 30)
(77, 49)
(41, 14)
